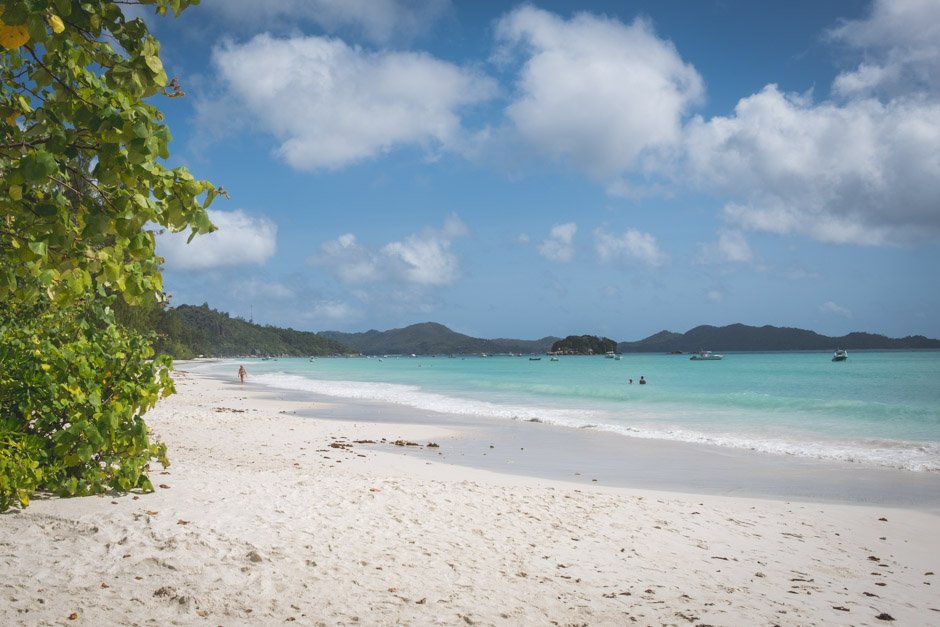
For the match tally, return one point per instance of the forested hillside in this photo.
(188, 331)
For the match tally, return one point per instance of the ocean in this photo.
(876, 409)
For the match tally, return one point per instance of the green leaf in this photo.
(39, 248)
(37, 166)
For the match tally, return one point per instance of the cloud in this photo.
(331, 105)
(593, 91)
(731, 247)
(901, 42)
(332, 310)
(379, 21)
(240, 239)
(831, 307)
(424, 259)
(557, 247)
(864, 172)
(631, 244)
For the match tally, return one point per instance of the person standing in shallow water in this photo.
(241, 373)
(642, 380)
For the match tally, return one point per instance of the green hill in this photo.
(431, 338)
(187, 331)
(741, 337)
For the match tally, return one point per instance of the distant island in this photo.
(188, 331)
(584, 345)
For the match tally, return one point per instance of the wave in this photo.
(899, 454)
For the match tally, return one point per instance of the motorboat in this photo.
(535, 359)
(553, 359)
(705, 356)
(840, 355)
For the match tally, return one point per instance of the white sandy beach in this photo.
(265, 517)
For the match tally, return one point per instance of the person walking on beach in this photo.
(241, 373)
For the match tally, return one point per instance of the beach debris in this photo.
(202, 613)
(150, 513)
(422, 601)
(363, 441)
(885, 616)
(393, 589)
(235, 411)
(870, 594)
(841, 608)
(253, 556)
(874, 559)
(342, 445)
(929, 573)
(165, 591)
(433, 445)
(182, 522)
(883, 519)
(104, 585)
(73, 616)
(375, 489)
(405, 443)
(164, 486)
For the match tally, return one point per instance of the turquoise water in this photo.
(877, 408)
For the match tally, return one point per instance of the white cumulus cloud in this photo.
(593, 91)
(421, 259)
(865, 172)
(901, 42)
(331, 104)
(240, 239)
(731, 247)
(631, 244)
(557, 247)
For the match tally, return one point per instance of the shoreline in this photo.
(268, 516)
(599, 457)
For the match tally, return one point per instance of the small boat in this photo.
(553, 359)
(840, 355)
(705, 356)
(535, 359)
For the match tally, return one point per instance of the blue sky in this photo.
(522, 170)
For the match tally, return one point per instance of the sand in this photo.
(267, 517)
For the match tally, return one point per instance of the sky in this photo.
(560, 167)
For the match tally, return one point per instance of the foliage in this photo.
(584, 345)
(79, 155)
(82, 186)
(72, 392)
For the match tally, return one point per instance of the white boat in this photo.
(840, 355)
(553, 359)
(705, 356)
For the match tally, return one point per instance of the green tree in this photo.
(82, 186)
